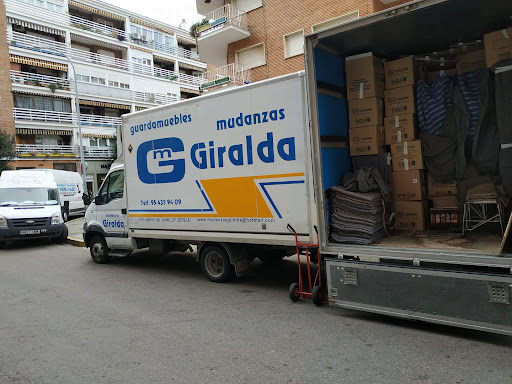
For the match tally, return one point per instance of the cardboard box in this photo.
(409, 215)
(438, 189)
(434, 75)
(399, 73)
(406, 156)
(471, 61)
(408, 185)
(400, 128)
(366, 141)
(365, 112)
(400, 101)
(445, 202)
(498, 46)
(365, 76)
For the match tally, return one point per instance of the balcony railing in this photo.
(227, 14)
(64, 117)
(125, 94)
(105, 30)
(34, 79)
(51, 47)
(165, 48)
(43, 151)
(231, 73)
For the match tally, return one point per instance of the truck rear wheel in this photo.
(99, 250)
(215, 264)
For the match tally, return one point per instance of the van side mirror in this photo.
(98, 200)
(86, 199)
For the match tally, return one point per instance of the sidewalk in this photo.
(75, 229)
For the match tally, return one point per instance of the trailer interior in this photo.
(419, 30)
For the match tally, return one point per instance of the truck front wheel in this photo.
(215, 264)
(99, 250)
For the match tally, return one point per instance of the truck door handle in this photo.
(123, 211)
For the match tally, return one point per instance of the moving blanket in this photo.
(358, 218)
(504, 117)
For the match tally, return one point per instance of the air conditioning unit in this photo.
(135, 36)
(144, 38)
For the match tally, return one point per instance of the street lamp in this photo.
(77, 107)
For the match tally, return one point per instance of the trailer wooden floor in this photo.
(446, 241)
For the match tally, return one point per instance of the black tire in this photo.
(3, 244)
(215, 264)
(317, 295)
(293, 292)
(65, 216)
(99, 250)
(63, 236)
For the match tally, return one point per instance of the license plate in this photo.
(30, 232)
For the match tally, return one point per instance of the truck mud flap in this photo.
(480, 301)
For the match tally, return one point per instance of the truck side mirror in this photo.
(86, 199)
(98, 200)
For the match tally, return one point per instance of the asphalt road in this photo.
(65, 319)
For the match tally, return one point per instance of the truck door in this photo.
(111, 210)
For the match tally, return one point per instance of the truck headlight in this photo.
(3, 222)
(56, 219)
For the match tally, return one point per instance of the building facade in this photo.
(124, 62)
(266, 36)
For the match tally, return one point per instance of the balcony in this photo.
(231, 74)
(165, 48)
(24, 10)
(101, 29)
(226, 25)
(23, 114)
(33, 79)
(40, 151)
(50, 47)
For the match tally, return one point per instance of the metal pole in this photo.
(77, 106)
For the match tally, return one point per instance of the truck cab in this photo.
(105, 226)
(29, 207)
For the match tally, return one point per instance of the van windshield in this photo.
(28, 196)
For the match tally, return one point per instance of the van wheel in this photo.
(215, 264)
(3, 244)
(99, 250)
(63, 235)
(65, 216)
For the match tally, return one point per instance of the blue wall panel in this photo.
(332, 116)
(329, 68)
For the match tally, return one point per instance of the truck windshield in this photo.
(28, 196)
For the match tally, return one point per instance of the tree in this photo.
(194, 26)
(7, 152)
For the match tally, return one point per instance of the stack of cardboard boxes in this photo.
(365, 91)
(401, 132)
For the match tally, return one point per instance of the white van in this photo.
(29, 207)
(70, 189)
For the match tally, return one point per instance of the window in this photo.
(247, 5)
(65, 166)
(42, 103)
(251, 57)
(59, 8)
(135, 29)
(123, 85)
(50, 6)
(294, 44)
(147, 33)
(336, 21)
(169, 40)
(159, 37)
(113, 83)
(112, 188)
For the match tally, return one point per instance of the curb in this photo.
(75, 242)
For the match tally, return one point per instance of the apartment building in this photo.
(266, 36)
(120, 62)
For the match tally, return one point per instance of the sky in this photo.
(168, 11)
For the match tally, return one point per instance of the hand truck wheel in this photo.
(294, 292)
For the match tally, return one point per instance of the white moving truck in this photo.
(29, 207)
(70, 190)
(228, 171)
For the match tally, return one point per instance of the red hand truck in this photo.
(315, 290)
